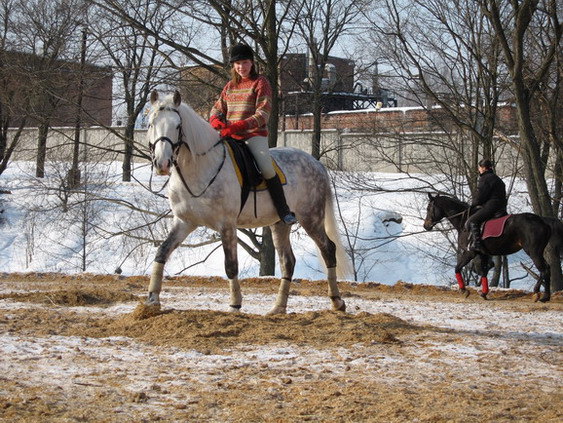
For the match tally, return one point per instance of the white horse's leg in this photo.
(229, 239)
(236, 295)
(280, 307)
(155, 284)
(280, 232)
(180, 230)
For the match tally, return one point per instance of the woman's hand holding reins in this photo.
(216, 122)
(234, 128)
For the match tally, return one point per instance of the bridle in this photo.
(175, 145)
(176, 148)
(461, 213)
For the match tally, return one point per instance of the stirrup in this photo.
(289, 219)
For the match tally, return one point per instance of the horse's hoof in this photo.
(338, 304)
(465, 293)
(153, 300)
(483, 295)
(234, 309)
(276, 310)
(545, 298)
(536, 297)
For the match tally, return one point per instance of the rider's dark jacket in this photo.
(491, 196)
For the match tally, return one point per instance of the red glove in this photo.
(216, 122)
(234, 128)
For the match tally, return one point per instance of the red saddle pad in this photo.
(494, 227)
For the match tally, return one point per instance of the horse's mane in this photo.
(451, 199)
(198, 133)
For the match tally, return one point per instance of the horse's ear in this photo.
(154, 96)
(177, 98)
(430, 196)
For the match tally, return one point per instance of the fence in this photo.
(415, 152)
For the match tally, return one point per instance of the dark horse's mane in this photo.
(457, 201)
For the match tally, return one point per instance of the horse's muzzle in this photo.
(162, 168)
(428, 225)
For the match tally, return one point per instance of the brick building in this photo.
(47, 90)
(200, 87)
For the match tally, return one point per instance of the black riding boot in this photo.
(475, 244)
(278, 197)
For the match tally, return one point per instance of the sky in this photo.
(36, 236)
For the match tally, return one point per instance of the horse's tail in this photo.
(343, 263)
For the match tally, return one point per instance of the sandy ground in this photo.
(81, 349)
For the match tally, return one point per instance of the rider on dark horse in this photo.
(490, 201)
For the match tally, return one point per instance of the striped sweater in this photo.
(250, 100)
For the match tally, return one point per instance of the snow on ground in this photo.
(36, 236)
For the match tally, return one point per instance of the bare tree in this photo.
(47, 32)
(136, 59)
(10, 69)
(320, 24)
(529, 33)
(443, 53)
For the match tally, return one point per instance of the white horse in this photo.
(204, 191)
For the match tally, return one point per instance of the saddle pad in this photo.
(494, 227)
(262, 185)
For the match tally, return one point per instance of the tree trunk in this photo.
(41, 150)
(74, 174)
(535, 180)
(554, 260)
(128, 152)
(494, 282)
(7, 153)
(267, 254)
(316, 140)
(558, 186)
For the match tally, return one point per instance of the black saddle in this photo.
(246, 165)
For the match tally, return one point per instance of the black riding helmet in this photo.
(241, 52)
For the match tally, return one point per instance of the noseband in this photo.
(175, 145)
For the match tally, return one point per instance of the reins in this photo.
(175, 163)
(461, 213)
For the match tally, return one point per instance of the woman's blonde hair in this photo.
(236, 78)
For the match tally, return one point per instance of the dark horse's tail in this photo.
(556, 239)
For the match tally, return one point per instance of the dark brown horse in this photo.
(525, 231)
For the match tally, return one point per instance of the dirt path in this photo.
(81, 349)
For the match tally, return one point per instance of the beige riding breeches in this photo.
(261, 151)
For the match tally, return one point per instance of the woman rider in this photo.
(242, 112)
(491, 199)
